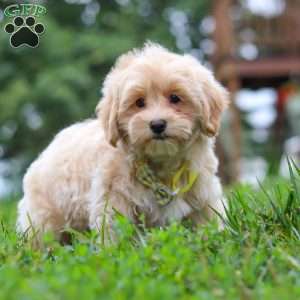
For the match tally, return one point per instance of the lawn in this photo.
(255, 257)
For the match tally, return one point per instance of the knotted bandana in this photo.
(163, 194)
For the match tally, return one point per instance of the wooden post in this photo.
(223, 34)
(224, 40)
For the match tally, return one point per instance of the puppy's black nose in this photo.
(158, 126)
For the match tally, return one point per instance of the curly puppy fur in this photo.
(88, 169)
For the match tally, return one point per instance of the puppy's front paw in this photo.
(175, 211)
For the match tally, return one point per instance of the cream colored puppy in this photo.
(150, 151)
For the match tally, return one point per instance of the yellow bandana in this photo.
(164, 194)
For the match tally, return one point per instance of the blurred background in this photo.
(253, 46)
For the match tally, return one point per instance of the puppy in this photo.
(149, 152)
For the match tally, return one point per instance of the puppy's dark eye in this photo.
(140, 102)
(174, 99)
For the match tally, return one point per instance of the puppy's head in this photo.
(155, 101)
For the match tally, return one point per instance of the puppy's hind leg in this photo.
(35, 220)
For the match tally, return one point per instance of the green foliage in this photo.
(255, 257)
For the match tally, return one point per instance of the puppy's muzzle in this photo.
(158, 126)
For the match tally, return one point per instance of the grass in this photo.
(255, 257)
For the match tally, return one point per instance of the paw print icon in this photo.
(24, 32)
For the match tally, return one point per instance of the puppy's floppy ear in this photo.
(107, 112)
(211, 97)
(215, 102)
(108, 107)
